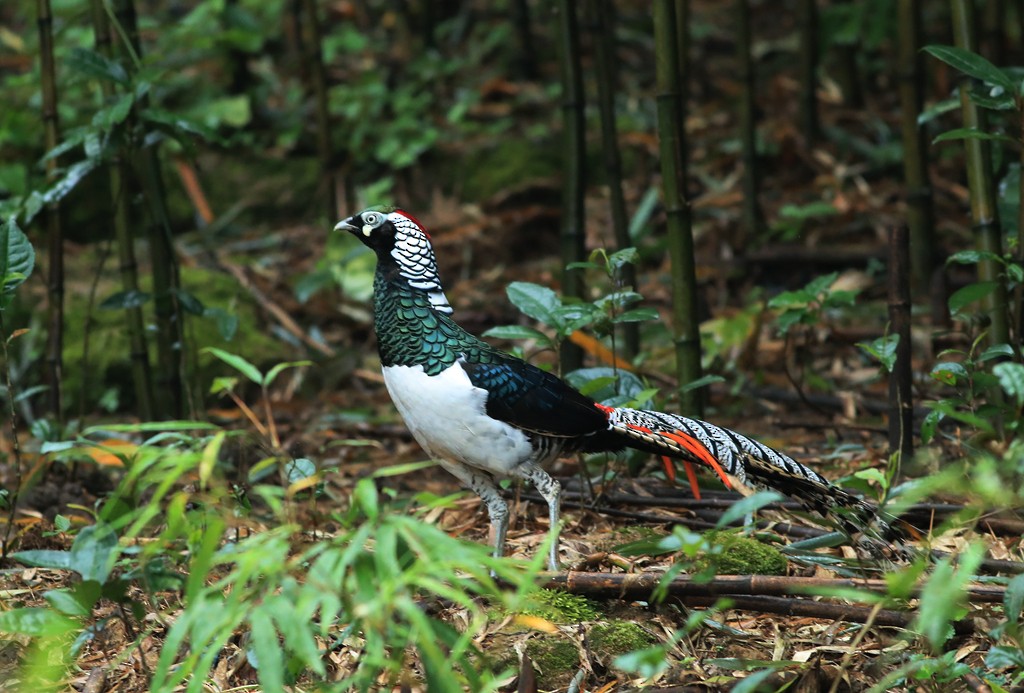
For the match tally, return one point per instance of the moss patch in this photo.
(561, 607)
(618, 637)
(555, 659)
(739, 555)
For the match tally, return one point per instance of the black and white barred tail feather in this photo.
(748, 461)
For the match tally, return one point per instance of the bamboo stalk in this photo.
(314, 60)
(672, 145)
(573, 236)
(920, 215)
(753, 219)
(164, 265)
(984, 213)
(847, 72)
(901, 398)
(640, 585)
(604, 63)
(54, 228)
(527, 57)
(120, 175)
(809, 122)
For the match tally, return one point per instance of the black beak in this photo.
(352, 224)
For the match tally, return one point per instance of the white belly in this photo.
(447, 415)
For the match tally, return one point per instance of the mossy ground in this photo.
(740, 555)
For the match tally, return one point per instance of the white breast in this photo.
(446, 413)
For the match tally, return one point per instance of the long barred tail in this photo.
(746, 460)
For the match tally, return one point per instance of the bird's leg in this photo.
(497, 509)
(551, 490)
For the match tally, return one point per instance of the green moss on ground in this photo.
(509, 164)
(555, 660)
(561, 607)
(740, 555)
(618, 637)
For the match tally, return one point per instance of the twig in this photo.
(279, 313)
(12, 500)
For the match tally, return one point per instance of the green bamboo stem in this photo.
(164, 265)
(809, 71)
(984, 213)
(119, 174)
(672, 144)
(573, 235)
(604, 64)
(753, 220)
(527, 57)
(314, 59)
(920, 215)
(54, 229)
(847, 72)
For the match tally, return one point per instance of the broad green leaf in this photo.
(973, 65)
(515, 332)
(539, 302)
(930, 424)
(189, 302)
(1013, 599)
(972, 257)
(1011, 378)
(948, 372)
(36, 622)
(93, 552)
(637, 315)
(238, 363)
(299, 469)
(883, 350)
(972, 293)
(972, 134)
(17, 259)
(91, 63)
(1005, 657)
(122, 300)
(752, 683)
(73, 175)
(943, 595)
(626, 256)
(639, 224)
(995, 351)
(44, 558)
(75, 602)
(115, 113)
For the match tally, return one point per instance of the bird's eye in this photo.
(372, 218)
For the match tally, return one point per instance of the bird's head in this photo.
(400, 240)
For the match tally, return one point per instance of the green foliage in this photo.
(883, 350)
(17, 259)
(560, 607)
(792, 218)
(808, 305)
(295, 600)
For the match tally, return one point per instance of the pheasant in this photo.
(486, 415)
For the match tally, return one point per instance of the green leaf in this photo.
(92, 64)
(639, 223)
(994, 352)
(745, 506)
(702, 381)
(1013, 599)
(268, 662)
(1004, 657)
(115, 113)
(44, 558)
(227, 323)
(299, 469)
(973, 257)
(930, 424)
(626, 256)
(36, 622)
(17, 259)
(943, 594)
(515, 332)
(972, 134)
(189, 302)
(539, 302)
(78, 601)
(93, 552)
(133, 298)
(637, 315)
(276, 370)
(1011, 378)
(969, 294)
(647, 663)
(883, 350)
(238, 363)
(948, 372)
(973, 65)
